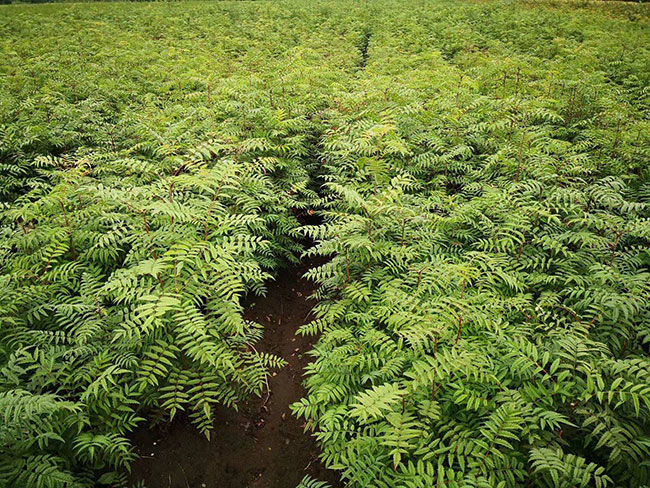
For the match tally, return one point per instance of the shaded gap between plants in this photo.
(363, 48)
(262, 445)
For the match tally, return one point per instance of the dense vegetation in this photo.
(482, 175)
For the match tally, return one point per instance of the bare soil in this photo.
(262, 445)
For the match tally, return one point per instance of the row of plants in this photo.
(485, 313)
(155, 162)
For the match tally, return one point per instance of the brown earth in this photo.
(262, 445)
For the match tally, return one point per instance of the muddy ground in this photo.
(262, 445)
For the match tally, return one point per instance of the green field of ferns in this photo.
(477, 180)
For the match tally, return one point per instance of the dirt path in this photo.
(261, 446)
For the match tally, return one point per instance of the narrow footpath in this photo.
(262, 445)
